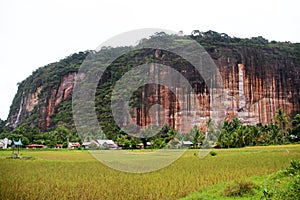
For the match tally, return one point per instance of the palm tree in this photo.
(296, 127)
(281, 120)
(275, 135)
(226, 136)
(211, 133)
(197, 136)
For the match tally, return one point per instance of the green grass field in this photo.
(75, 174)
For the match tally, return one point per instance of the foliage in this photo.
(2, 125)
(126, 142)
(213, 153)
(63, 115)
(235, 134)
(285, 184)
(295, 130)
(281, 120)
(28, 135)
(281, 185)
(232, 134)
(158, 143)
(240, 188)
(197, 137)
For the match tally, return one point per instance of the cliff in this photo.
(259, 78)
(45, 94)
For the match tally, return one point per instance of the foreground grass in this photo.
(217, 191)
(77, 175)
(281, 185)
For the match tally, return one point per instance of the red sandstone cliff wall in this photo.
(256, 81)
(44, 106)
(255, 87)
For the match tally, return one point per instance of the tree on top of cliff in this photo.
(2, 125)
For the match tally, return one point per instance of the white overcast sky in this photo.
(35, 33)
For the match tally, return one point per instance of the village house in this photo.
(35, 146)
(101, 144)
(4, 143)
(107, 144)
(59, 146)
(90, 144)
(73, 145)
(187, 144)
(141, 145)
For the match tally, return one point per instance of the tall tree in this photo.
(295, 130)
(197, 136)
(282, 121)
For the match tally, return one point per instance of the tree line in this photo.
(28, 135)
(281, 130)
(230, 134)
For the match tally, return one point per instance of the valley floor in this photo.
(76, 174)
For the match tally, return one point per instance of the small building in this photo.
(4, 143)
(73, 145)
(59, 146)
(141, 145)
(86, 145)
(35, 146)
(90, 144)
(100, 144)
(187, 143)
(107, 144)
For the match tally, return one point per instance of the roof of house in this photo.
(86, 143)
(103, 142)
(74, 144)
(141, 144)
(18, 143)
(187, 142)
(35, 145)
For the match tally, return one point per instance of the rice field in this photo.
(76, 174)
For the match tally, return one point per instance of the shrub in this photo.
(239, 189)
(213, 153)
(285, 184)
(294, 168)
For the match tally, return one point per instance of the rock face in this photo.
(45, 107)
(257, 86)
(57, 96)
(28, 102)
(257, 82)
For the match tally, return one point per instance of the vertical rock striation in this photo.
(45, 106)
(257, 82)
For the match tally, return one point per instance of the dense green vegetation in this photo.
(231, 135)
(235, 134)
(28, 135)
(2, 125)
(211, 40)
(75, 174)
(282, 185)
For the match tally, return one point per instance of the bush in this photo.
(213, 153)
(285, 184)
(294, 168)
(239, 189)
